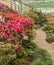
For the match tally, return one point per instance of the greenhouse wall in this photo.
(22, 8)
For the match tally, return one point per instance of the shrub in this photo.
(38, 17)
(12, 31)
(49, 29)
(50, 37)
(2, 6)
(32, 52)
(42, 58)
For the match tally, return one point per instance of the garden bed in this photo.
(39, 18)
(16, 46)
(49, 29)
(33, 55)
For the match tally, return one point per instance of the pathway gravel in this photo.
(41, 42)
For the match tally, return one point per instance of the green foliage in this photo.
(39, 56)
(36, 26)
(28, 44)
(42, 57)
(49, 32)
(38, 17)
(50, 37)
(8, 54)
(42, 18)
(47, 28)
(32, 14)
(29, 47)
(31, 37)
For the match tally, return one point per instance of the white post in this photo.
(13, 5)
(16, 5)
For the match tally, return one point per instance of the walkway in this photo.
(40, 39)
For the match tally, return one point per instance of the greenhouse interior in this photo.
(26, 32)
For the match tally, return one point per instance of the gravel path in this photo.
(40, 39)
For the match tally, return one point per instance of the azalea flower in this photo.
(17, 43)
(0, 25)
(2, 6)
(20, 49)
(15, 28)
(4, 35)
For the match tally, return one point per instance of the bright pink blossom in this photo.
(17, 43)
(16, 27)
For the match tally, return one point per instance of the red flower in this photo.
(20, 49)
(16, 27)
(17, 43)
(11, 42)
(0, 25)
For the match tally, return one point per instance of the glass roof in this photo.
(35, 4)
(39, 4)
(16, 0)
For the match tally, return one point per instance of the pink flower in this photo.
(15, 28)
(19, 26)
(17, 43)
(4, 35)
(14, 22)
(20, 49)
(2, 6)
(8, 23)
(0, 25)
(11, 42)
(12, 37)
(2, 28)
(22, 33)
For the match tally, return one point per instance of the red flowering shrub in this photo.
(10, 15)
(15, 28)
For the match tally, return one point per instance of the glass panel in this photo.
(17, 6)
(13, 5)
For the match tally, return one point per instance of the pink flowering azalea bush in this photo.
(13, 30)
(16, 27)
(4, 8)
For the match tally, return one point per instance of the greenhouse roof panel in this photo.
(39, 4)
